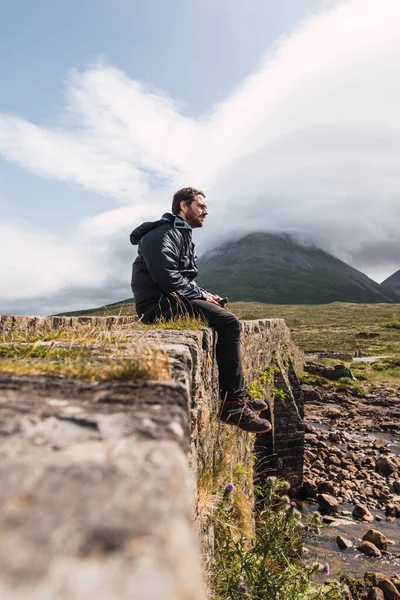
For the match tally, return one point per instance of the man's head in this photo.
(190, 204)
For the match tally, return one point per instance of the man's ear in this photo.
(183, 206)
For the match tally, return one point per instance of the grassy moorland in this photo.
(337, 327)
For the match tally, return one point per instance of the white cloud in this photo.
(308, 143)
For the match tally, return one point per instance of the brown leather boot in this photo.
(236, 412)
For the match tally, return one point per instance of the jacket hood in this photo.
(144, 228)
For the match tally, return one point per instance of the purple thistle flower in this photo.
(229, 488)
(326, 568)
(243, 588)
(321, 518)
(293, 504)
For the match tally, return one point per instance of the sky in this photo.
(284, 113)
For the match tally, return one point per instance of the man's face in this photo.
(195, 213)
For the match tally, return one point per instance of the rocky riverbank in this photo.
(352, 472)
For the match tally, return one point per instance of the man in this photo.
(163, 286)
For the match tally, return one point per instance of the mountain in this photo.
(392, 283)
(270, 268)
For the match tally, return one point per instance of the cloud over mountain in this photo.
(308, 144)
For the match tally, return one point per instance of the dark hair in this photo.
(187, 195)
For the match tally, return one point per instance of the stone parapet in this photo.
(103, 484)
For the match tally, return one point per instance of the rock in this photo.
(309, 489)
(343, 543)
(392, 510)
(327, 503)
(334, 460)
(376, 593)
(379, 443)
(383, 583)
(328, 372)
(396, 486)
(363, 513)
(375, 537)
(385, 465)
(369, 549)
(329, 520)
(326, 487)
(334, 436)
(310, 394)
(307, 427)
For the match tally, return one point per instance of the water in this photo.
(369, 358)
(324, 548)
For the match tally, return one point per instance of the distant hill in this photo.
(124, 307)
(270, 268)
(392, 283)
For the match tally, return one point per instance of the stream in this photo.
(324, 548)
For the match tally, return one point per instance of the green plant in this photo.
(380, 366)
(360, 376)
(266, 566)
(258, 385)
(395, 324)
(279, 394)
(346, 381)
(308, 379)
(356, 586)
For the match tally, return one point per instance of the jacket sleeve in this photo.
(162, 259)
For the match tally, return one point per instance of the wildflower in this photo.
(326, 568)
(229, 488)
(293, 504)
(243, 588)
(321, 518)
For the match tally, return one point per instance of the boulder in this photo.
(375, 537)
(334, 436)
(385, 465)
(310, 394)
(326, 487)
(343, 543)
(396, 486)
(327, 503)
(328, 372)
(383, 583)
(392, 510)
(309, 489)
(369, 549)
(363, 513)
(334, 460)
(379, 443)
(308, 428)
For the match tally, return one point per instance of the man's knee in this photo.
(229, 323)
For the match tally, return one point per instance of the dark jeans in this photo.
(231, 381)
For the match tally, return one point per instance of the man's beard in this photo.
(193, 220)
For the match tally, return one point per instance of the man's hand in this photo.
(213, 299)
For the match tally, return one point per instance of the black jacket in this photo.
(166, 261)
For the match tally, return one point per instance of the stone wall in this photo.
(100, 482)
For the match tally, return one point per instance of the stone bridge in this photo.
(106, 486)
